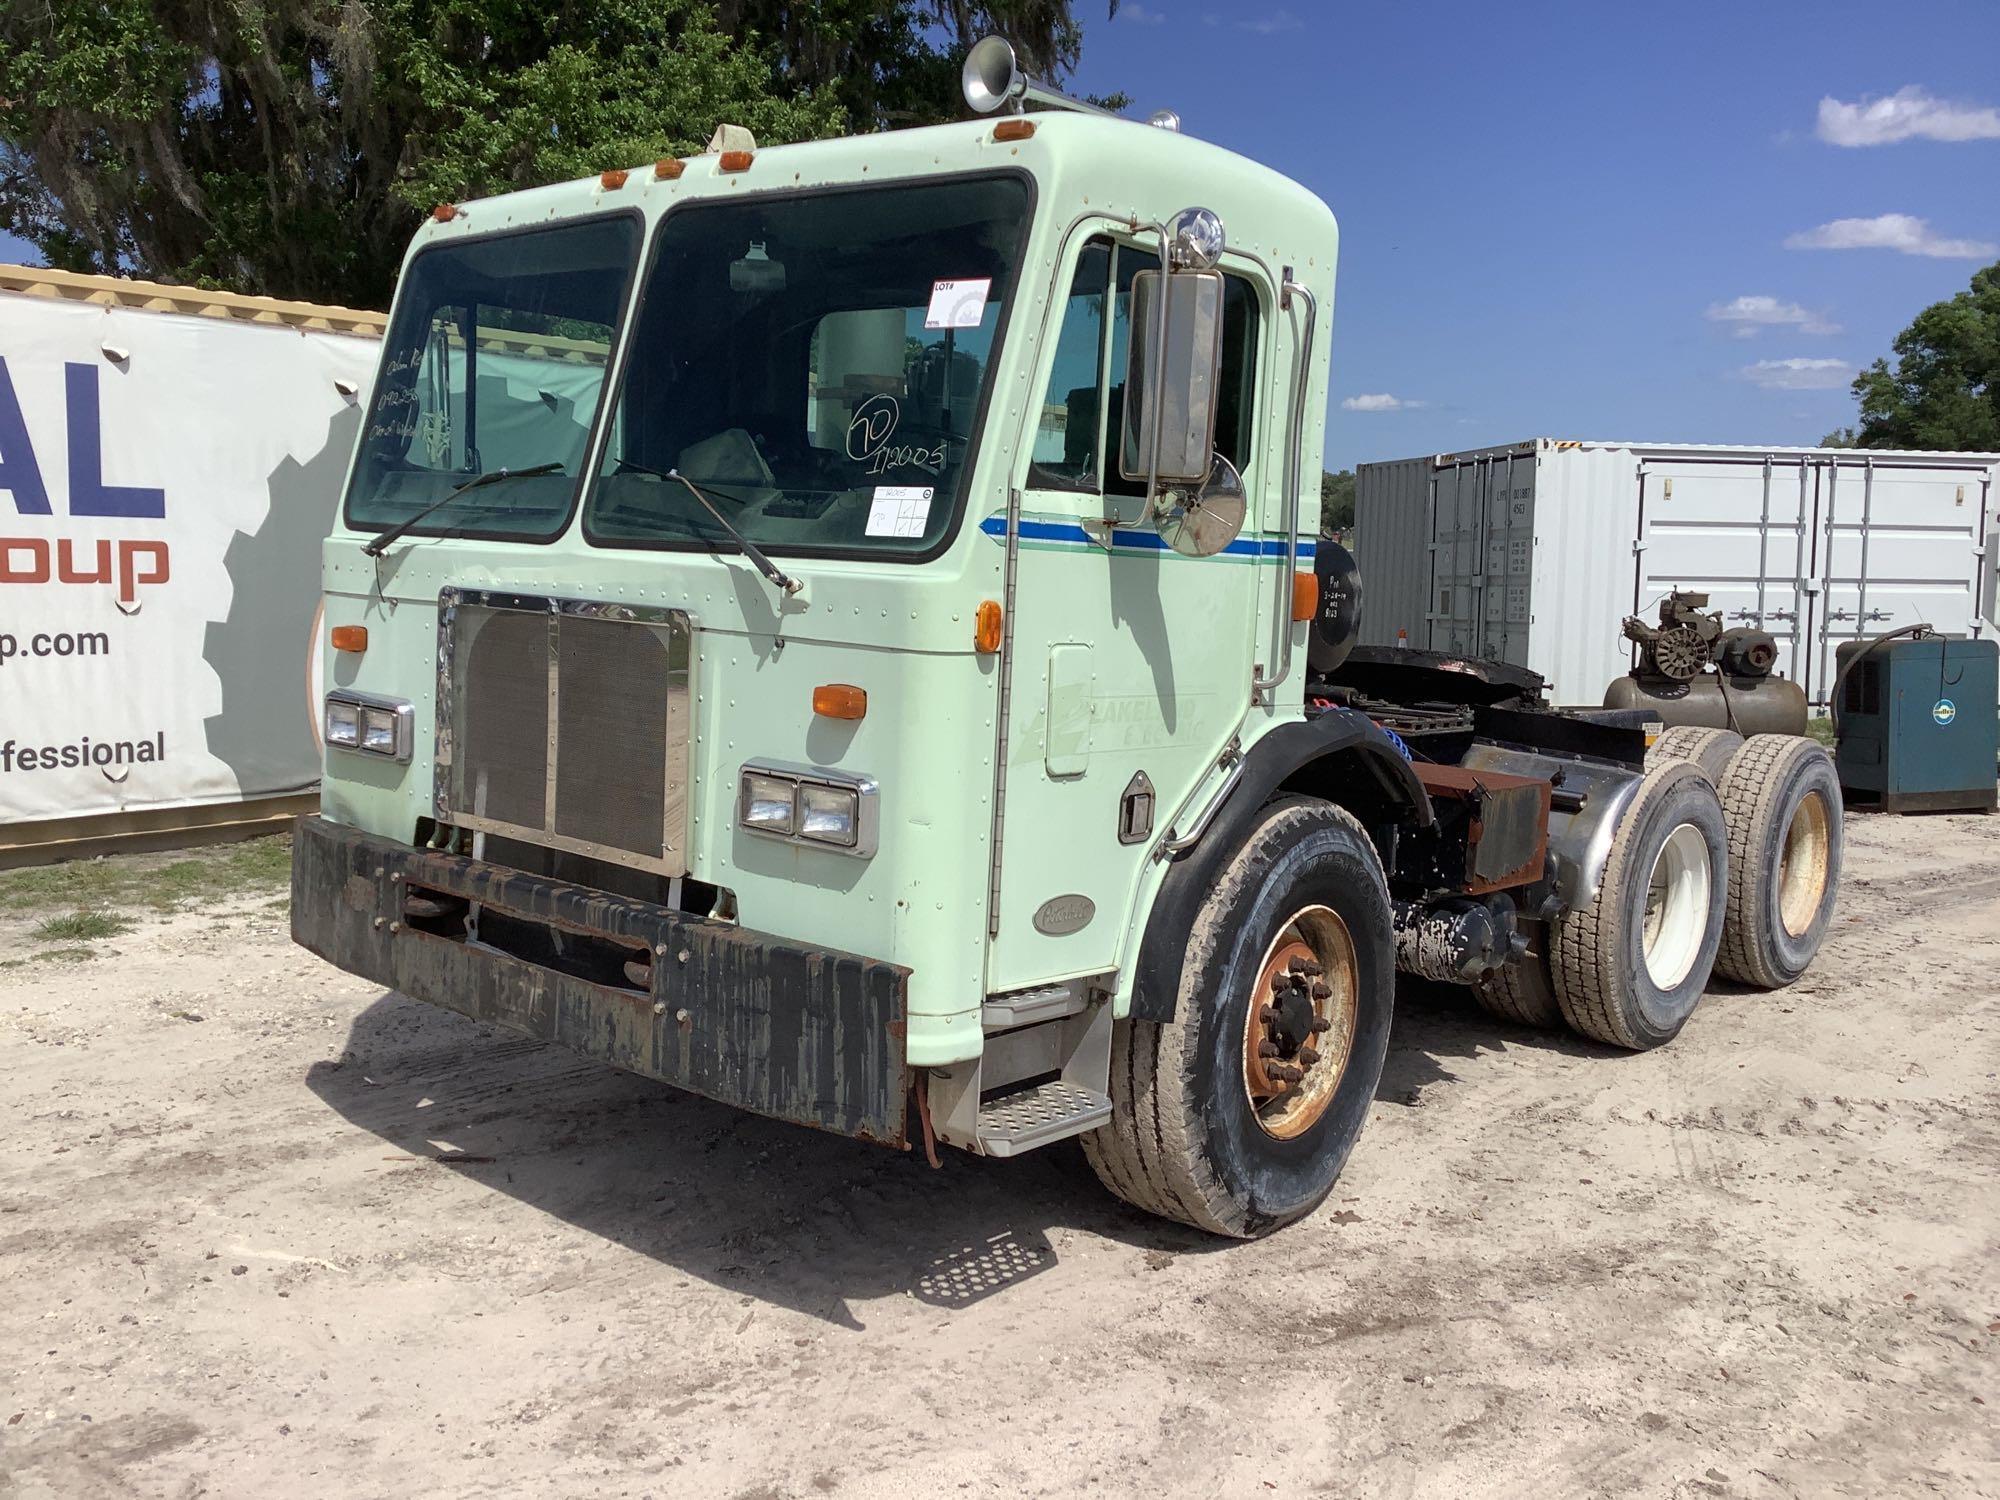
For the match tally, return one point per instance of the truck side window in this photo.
(1069, 431)
(1085, 399)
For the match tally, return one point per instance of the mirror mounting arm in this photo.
(1158, 380)
(1294, 446)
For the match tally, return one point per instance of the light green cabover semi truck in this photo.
(827, 627)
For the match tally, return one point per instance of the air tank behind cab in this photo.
(1716, 700)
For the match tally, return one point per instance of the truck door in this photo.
(1130, 664)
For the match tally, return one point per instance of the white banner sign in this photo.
(165, 484)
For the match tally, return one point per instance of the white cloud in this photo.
(1906, 115)
(1378, 401)
(1746, 315)
(1900, 232)
(1145, 15)
(1799, 374)
(1271, 25)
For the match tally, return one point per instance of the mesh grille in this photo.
(611, 734)
(503, 716)
(621, 728)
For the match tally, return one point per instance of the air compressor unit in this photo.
(1919, 724)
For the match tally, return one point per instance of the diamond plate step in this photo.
(1034, 1117)
(1026, 1007)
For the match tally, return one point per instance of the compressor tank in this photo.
(1714, 700)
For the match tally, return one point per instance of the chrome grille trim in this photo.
(672, 630)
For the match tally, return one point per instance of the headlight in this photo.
(378, 730)
(343, 723)
(832, 810)
(829, 814)
(769, 803)
(370, 724)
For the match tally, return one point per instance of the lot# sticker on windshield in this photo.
(958, 304)
(899, 510)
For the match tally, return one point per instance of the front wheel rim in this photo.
(1300, 1022)
(1676, 918)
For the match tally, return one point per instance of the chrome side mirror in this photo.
(1199, 521)
(1176, 334)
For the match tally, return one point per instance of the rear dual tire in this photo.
(1629, 966)
(1782, 798)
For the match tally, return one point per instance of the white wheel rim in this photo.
(1676, 907)
(1803, 866)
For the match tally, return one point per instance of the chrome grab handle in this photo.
(1294, 443)
(1176, 842)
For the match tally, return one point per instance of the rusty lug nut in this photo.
(1267, 1049)
(1308, 1056)
(1278, 983)
(1320, 1024)
(1267, 1015)
(1321, 991)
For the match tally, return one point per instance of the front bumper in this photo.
(800, 1034)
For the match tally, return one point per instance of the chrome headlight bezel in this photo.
(369, 724)
(816, 789)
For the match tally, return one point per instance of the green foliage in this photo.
(289, 147)
(1336, 502)
(1945, 390)
(81, 926)
(161, 882)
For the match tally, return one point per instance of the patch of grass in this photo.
(65, 955)
(1821, 729)
(158, 882)
(82, 926)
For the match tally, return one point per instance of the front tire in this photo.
(1237, 1115)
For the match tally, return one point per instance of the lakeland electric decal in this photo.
(165, 484)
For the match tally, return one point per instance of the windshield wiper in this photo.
(780, 579)
(491, 476)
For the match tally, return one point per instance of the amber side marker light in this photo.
(1305, 596)
(986, 627)
(1013, 130)
(736, 161)
(667, 168)
(349, 637)
(840, 700)
(613, 180)
(444, 213)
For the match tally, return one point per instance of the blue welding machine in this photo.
(1919, 723)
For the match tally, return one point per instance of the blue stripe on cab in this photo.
(1127, 539)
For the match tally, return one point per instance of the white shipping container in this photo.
(1533, 553)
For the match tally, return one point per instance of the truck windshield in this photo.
(495, 358)
(817, 363)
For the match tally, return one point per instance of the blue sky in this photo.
(1541, 206)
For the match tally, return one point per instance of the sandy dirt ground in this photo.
(1760, 1262)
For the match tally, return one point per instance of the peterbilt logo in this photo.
(1059, 916)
